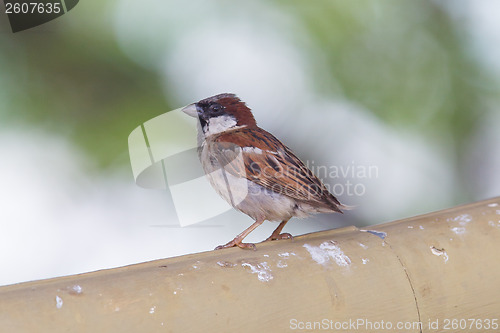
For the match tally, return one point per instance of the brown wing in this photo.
(272, 165)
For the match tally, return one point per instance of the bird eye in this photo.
(216, 108)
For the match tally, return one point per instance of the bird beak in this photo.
(191, 110)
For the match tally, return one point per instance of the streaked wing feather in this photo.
(272, 165)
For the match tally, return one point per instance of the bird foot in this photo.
(284, 235)
(239, 244)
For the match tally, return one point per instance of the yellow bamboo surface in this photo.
(438, 272)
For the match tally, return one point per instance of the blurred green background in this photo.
(411, 87)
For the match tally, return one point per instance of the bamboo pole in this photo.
(437, 269)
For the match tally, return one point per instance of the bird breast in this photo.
(243, 194)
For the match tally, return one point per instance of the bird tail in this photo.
(336, 205)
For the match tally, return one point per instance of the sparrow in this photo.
(252, 170)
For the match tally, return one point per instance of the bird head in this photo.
(220, 113)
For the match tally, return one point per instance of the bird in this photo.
(254, 171)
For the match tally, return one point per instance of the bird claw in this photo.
(234, 243)
(284, 235)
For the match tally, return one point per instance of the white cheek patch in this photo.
(219, 124)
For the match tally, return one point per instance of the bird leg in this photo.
(277, 233)
(237, 241)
